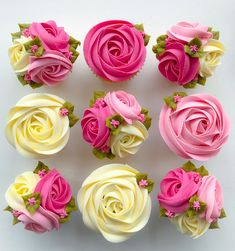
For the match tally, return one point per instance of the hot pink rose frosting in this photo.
(39, 222)
(51, 36)
(115, 50)
(55, 192)
(49, 69)
(186, 31)
(210, 192)
(124, 104)
(176, 189)
(197, 129)
(176, 65)
(93, 123)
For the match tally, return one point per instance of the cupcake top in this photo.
(194, 126)
(41, 199)
(115, 49)
(192, 199)
(114, 200)
(42, 54)
(39, 124)
(188, 53)
(115, 124)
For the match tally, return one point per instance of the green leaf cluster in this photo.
(41, 166)
(159, 48)
(140, 27)
(144, 176)
(196, 41)
(170, 101)
(72, 118)
(32, 208)
(113, 130)
(96, 95)
(101, 155)
(147, 119)
(190, 167)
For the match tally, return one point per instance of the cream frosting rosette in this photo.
(213, 50)
(18, 55)
(38, 125)
(193, 226)
(129, 139)
(115, 202)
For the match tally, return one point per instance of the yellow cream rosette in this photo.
(113, 202)
(36, 127)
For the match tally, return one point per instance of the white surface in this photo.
(76, 160)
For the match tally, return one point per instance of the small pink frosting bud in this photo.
(27, 77)
(64, 112)
(193, 48)
(32, 201)
(63, 215)
(196, 205)
(34, 48)
(142, 118)
(105, 149)
(177, 98)
(197, 177)
(115, 123)
(100, 103)
(16, 213)
(169, 214)
(26, 32)
(143, 183)
(69, 55)
(42, 173)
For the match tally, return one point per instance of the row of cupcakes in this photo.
(115, 200)
(115, 50)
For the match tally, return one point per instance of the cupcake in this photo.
(192, 199)
(194, 126)
(41, 200)
(39, 125)
(114, 200)
(188, 53)
(115, 124)
(115, 49)
(42, 54)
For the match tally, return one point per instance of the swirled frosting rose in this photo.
(197, 129)
(35, 126)
(115, 50)
(112, 202)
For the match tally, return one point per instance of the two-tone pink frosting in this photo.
(115, 50)
(197, 129)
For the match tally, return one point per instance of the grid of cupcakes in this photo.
(115, 49)
(188, 53)
(42, 54)
(38, 126)
(41, 200)
(115, 124)
(192, 199)
(115, 201)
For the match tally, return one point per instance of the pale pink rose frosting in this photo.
(94, 128)
(49, 69)
(176, 188)
(51, 36)
(210, 192)
(55, 192)
(176, 65)
(197, 129)
(41, 221)
(115, 50)
(186, 31)
(124, 104)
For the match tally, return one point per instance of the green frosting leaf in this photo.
(191, 211)
(170, 100)
(22, 80)
(74, 42)
(75, 54)
(72, 118)
(214, 225)
(71, 206)
(35, 85)
(201, 80)
(23, 26)
(202, 171)
(146, 39)
(144, 176)
(36, 41)
(113, 130)
(196, 41)
(139, 27)
(190, 85)
(68, 106)
(96, 95)
(102, 155)
(161, 38)
(8, 209)
(189, 167)
(147, 119)
(162, 212)
(159, 48)
(32, 208)
(15, 220)
(216, 35)
(41, 166)
(16, 35)
(222, 214)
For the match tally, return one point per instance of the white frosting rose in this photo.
(24, 185)
(129, 139)
(193, 226)
(213, 50)
(36, 128)
(19, 57)
(112, 202)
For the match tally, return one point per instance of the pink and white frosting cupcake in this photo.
(115, 49)
(194, 126)
(188, 53)
(41, 200)
(42, 54)
(192, 199)
(115, 124)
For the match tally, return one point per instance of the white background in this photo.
(76, 161)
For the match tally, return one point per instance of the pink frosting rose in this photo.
(55, 192)
(186, 31)
(197, 129)
(115, 50)
(176, 65)
(176, 188)
(39, 222)
(49, 69)
(210, 192)
(124, 104)
(51, 36)
(94, 128)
